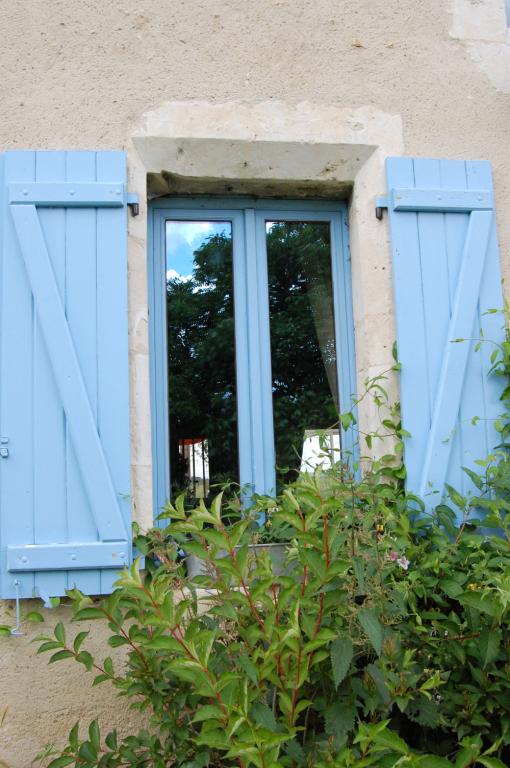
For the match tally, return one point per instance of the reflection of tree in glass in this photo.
(201, 362)
(201, 348)
(303, 351)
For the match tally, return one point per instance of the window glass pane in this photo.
(303, 350)
(201, 356)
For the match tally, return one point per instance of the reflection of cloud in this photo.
(172, 274)
(183, 238)
(191, 231)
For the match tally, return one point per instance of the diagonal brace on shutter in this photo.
(68, 377)
(455, 356)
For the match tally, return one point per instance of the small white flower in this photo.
(403, 562)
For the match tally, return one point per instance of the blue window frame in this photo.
(248, 218)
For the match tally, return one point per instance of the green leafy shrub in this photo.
(386, 644)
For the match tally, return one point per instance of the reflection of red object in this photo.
(191, 440)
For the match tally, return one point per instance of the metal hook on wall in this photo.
(16, 631)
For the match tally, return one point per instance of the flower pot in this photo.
(195, 566)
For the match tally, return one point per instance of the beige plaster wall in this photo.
(328, 86)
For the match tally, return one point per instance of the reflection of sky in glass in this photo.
(182, 240)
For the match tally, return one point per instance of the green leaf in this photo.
(78, 640)
(457, 498)
(50, 645)
(341, 657)
(61, 762)
(372, 628)
(380, 681)
(491, 762)
(359, 571)
(295, 751)
(5, 631)
(87, 752)
(94, 734)
(488, 645)
(60, 633)
(74, 736)
(482, 602)
(89, 613)
(432, 761)
(85, 658)
(451, 587)
(208, 712)
(249, 667)
(339, 719)
(115, 641)
(475, 477)
(466, 757)
(34, 616)
(391, 740)
(262, 715)
(59, 655)
(111, 741)
(346, 419)
(164, 643)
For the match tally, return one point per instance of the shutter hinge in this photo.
(133, 203)
(381, 202)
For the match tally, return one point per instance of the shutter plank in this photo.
(112, 340)
(49, 471)
(434, 275)
(453, 176)
(81, 312)
(493, 325)
(412, 341)
(16, 383)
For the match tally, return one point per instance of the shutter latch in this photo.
(133, 203)
(381, 202)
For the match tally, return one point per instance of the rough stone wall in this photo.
(87, 74)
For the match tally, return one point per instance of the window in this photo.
(252, 341)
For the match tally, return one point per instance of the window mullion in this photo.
(254, 378)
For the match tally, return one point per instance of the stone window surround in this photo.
(267, 149)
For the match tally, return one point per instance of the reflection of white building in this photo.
(194, 452)
(321, 448)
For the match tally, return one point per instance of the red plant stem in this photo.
(180, 639)
(232, 553)
(125, 635)
(96, 666)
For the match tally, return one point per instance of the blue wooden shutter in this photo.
(446, 277)
(64, 432)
